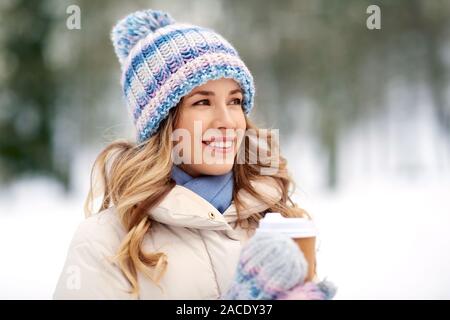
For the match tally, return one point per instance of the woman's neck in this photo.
(189, 171)
(217, 190)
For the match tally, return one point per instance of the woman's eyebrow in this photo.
(211, 93)
(235, 91)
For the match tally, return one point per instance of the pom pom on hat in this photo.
(136, 26)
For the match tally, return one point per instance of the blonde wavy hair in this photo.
(136, 177)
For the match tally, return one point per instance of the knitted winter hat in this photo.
(163, 60)
(269, 265)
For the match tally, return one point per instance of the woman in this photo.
(176, 206)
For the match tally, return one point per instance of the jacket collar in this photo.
(216, 189)
(184, 208)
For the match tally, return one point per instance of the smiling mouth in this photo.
(221, 145)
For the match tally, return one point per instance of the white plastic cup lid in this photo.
(274, 222)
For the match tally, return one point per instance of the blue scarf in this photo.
(217, 190)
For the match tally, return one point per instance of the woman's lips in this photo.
(220, 145)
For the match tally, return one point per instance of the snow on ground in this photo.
(36, 226)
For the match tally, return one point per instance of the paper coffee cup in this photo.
(301, 230)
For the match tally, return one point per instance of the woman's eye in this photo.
(201, 102)
(237, 101)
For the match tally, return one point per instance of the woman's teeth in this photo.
(219, 144)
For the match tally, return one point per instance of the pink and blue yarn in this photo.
(162, 60)
(269, 265)
(272, 267)
(323, 290)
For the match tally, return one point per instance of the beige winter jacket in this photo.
(202, 246)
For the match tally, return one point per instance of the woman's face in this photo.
(212, 122)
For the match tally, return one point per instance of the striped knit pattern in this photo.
(270, 264)
(163, 60)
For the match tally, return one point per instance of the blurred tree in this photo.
(29, 93)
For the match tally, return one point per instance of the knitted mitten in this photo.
(323, 290)
(306, 291)
(269, 265)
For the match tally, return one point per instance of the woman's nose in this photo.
(223, 117)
